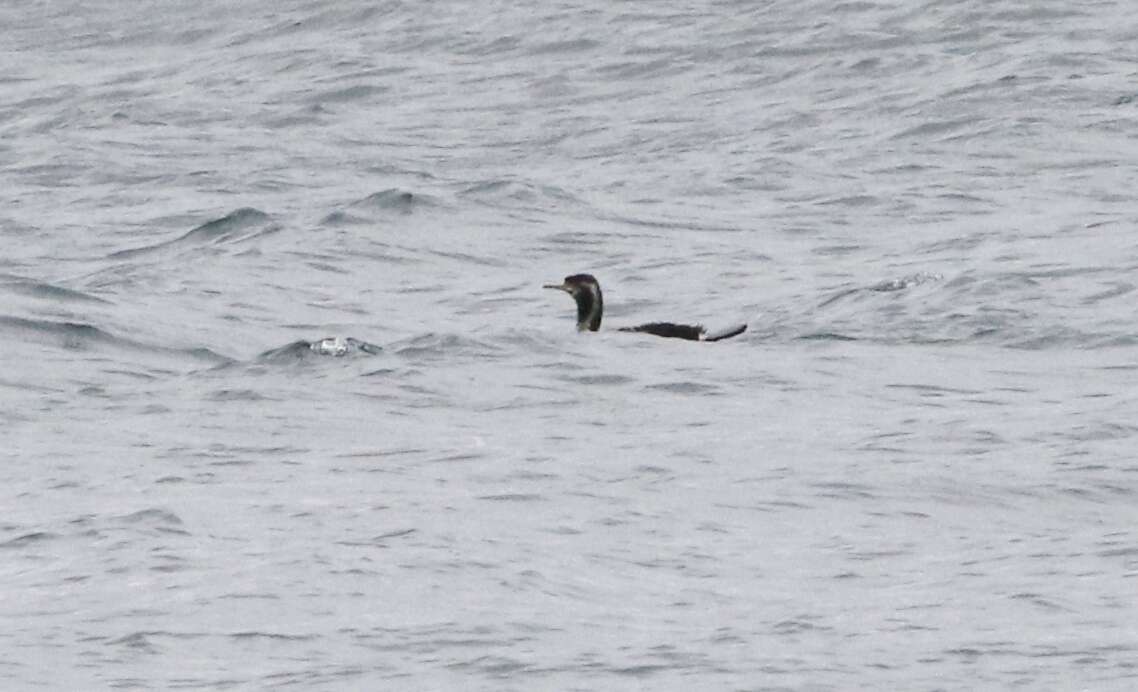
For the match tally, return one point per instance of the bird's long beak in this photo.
(559, 287)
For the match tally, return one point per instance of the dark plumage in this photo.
(586, 291)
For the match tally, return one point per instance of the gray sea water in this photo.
(918, 469)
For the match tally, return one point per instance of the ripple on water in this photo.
(29, 539)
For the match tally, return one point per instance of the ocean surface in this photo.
(917, 470)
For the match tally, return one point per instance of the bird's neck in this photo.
(590, 308)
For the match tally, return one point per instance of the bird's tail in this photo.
(725, 333)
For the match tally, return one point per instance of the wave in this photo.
(237, 226)
(431, 346)
(1003, 309)
(378, 204)
(336, 347)
(505, 192)
(887, 286)
(46, 291)
(79, 336)
(27, 539)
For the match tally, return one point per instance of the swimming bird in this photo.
(586, 291)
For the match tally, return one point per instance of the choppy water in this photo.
(917, 470)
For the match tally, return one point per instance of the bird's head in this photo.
(586, 291)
